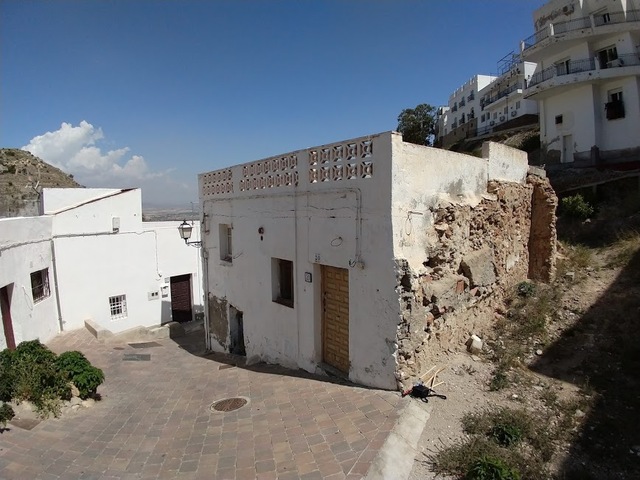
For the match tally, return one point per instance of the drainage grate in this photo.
(229, 404)
(144, 345)
(136, 357)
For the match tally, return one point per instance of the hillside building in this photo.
(360, 257)
(587, 80)
(90, 256)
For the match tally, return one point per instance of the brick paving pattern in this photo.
(154, 421)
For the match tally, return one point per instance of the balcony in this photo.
(580, 24)
(502, 93)
(454, 108)
(471, 96)
(462, 103)
(578, 66)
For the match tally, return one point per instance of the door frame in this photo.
(5, 312)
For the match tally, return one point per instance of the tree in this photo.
(418, 125)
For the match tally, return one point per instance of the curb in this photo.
(395, 459)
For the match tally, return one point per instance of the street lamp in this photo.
(185, 230)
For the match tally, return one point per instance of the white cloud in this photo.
(75, 150)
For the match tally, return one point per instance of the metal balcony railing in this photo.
(584, 65)
(571, 25)
(582, 23)
(502, 93)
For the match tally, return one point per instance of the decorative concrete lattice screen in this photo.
(341, 162)
(218, 182)
(271, 173)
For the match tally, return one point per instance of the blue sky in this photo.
(169, 89)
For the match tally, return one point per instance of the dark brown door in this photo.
(7, 324)
(335, 317)
(181, 298)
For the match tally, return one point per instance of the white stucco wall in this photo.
(96, 216)
(335, 222)
(425, 177)
(25, 247)
(55, 199)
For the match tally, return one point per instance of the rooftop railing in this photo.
(580, 24)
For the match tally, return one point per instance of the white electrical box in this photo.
(115, 224)
(154, 295)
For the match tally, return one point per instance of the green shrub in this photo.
(6, 414)
(506, 434)
(77, 369)
(489, 468)
(7, 377)
(526, 289)
(577, 207)
(37, 378)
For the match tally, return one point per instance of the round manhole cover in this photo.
(229, 404)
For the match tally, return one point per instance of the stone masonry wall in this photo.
(475, 254)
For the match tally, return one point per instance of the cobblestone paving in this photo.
(154, 421)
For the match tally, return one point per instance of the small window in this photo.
(282, 281)
(558, 119)
(40, 285)
(226, 242)
(518, 104)
(495, 115)
(506, 110)
(482, 118)
(118, 307)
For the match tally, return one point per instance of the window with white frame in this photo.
(226, 242)
(118, 307)
(40, 285)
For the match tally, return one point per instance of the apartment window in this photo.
(506, 110)
(608, 57)
(282, 281)
(495, 115)
(118, 307)
(40, 285)
(226, 242)
(482, 118)
(558, 119)
(615, 105)
(518, 104)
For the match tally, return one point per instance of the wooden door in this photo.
(7, 324)
(181, 298)
(335, 317)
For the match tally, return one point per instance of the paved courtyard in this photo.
(154, 421)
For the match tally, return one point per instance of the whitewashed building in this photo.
(90, 256)
(587, 81)
(502, 104)
(460, 120)
(302, 250)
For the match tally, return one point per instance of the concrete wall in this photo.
(25, 247)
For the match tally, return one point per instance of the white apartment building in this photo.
(461, 119)
(587, 80)
(502, 104)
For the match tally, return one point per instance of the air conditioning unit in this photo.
(502, 119)
(513, 114)
(492, 123)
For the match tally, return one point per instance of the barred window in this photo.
(40, 285)
(118, 307)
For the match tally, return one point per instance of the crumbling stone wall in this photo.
(218, 319)
(474, 255)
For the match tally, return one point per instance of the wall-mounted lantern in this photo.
(185, 230)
